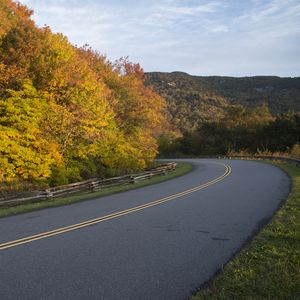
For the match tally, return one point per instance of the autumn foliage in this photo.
(67, 113)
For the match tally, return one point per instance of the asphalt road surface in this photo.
(158, 242)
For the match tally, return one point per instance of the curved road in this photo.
(158, 242)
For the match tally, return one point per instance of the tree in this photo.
(25, 154)
(96, 116)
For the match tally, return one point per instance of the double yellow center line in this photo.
(61, 230)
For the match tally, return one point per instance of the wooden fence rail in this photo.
(90, 185)
(290, 160)
(96, 184)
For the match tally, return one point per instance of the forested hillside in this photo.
(219, 115)
(194, 99)
(67, 113)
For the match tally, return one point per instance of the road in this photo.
(158, 242)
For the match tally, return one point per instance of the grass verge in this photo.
(269, 267)
(182, 168)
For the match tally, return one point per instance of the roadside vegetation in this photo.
(67, 113)
(240, 129)
(181, 169)
(269, 267)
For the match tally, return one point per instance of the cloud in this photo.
(197, 36)
(216, 28)
(190, 10)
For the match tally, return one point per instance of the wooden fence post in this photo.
(48, 194)
(94, 186)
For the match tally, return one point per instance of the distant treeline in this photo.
(217, 115)
(192, 100)
(67, 113)
(241, 130)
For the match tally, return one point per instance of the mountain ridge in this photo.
(193, 99)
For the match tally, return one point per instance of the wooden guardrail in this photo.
(86, 186)
(291, 160)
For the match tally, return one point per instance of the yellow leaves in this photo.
(60, 49)
(239, 116)
(23, 158)
(61, 105)
(295, 151)
(24, 152)
(119, 154)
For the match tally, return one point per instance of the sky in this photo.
(200, 37)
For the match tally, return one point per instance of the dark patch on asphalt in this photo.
(219, 239)
(107, 228)
(202, 231)
(162, 227)
(32, 217)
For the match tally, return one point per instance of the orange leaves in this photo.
(11, 77)
(68, 108)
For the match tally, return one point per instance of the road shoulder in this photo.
(182, 169)
(268, 267)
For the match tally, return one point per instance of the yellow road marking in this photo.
(114, 215)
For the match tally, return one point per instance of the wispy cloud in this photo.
(190, 10)
(198, 36)
(216, 27)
